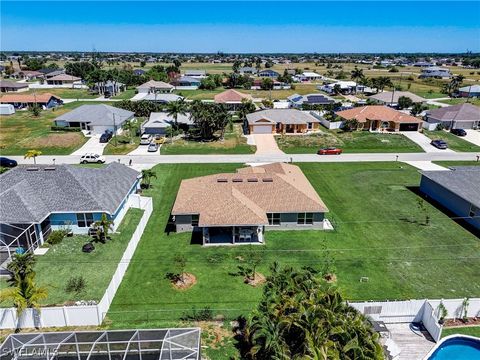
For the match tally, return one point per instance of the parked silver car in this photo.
(153, 147)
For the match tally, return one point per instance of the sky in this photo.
(241, 27)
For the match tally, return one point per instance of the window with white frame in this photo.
(273, 218)
(84, 220)
(305, 218)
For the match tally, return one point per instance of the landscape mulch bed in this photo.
(461, 323)
(259, 279)
(188, 281)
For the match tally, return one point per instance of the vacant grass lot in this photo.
(470, 330)
(234, 143)
(350, 142)
(454, 142)
(378, 235)
(66, 93)
(22, 131)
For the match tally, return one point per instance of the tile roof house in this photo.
(71, 197)
(462, 116)
(381, 118)
(391, 98)
(281, 121)
(232, 208)
(63, 79)
(45, 100)
(28, 74)
(457, 190)
(232, 98)
(96, 118)
(153, 87)
(12, 86)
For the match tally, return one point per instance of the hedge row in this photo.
(65, 128)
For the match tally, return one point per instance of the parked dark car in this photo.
(329, 151)
(107, 94)
(439, 144)
(458, 132)
(6, 162)
(106, 136)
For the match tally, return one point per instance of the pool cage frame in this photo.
(154, 344)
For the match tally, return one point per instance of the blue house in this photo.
(268, 73)
(458, 190)
(41, 198)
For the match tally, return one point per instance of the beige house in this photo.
(281, 121)
(237, 208)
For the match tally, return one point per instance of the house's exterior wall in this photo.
(449, 200)
(183, 223)
(288, 221)
(457, 124)
(69, 220)
(99, 130)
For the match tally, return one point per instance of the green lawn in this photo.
(66, 93)
(377, 236)
(350, 142)
(454, 142)
(234, 143)
(127, 94)
(469, 330)
(22, 131)
(474, 101)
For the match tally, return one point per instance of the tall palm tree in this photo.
(147, 175)
(32, 154)
(21, 266)
(175, 108)
(356, 74)
(25, 294)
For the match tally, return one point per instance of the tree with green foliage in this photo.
(103, 227)
(356, 75)
(266, 84)
(404, 102)
(81, 69)
(32, 154)
(35, 110)
(175, 108)
(147, 176)
(417, 108)
(34, 63)
(180, 262)
(130, 127)
(246, 107)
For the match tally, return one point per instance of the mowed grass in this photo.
(233, 143)
(378, 235)
(473, 101)
(454, 142)
(22, 131)
(65, 93)
(467, 330)
(350, 142)
(127, 94)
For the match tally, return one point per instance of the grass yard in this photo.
(473, 101)
(66, 93)
(467, 330)
(234, 143)
(454, 142)
(378, 235)
(22, 131)
(350, 142)
(127, 94)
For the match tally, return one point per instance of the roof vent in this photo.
(267, 180)
(32, 169)
(237, 180)
(222, 180)
(252, 180)
(51, 168)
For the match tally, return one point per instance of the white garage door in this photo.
(262, 129)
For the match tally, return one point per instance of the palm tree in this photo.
(176, 108)
(103, 227)
(25, 294)
(356, 74)
(32, 154)
(147, 175)
(21, 266)
(130, 126)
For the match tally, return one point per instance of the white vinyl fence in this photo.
(60, 316)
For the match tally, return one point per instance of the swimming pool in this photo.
(456, 347)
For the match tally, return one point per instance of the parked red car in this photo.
(329, 151)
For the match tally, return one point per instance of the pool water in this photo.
(459, 348)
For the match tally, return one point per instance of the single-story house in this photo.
(139, 72)
(157, 97)
(158, 122)
(54, 73)
(197, 74)
(64, 79)
(112, 87)
(12, 86)
(391, 97)
(96, 118)
(153, 87)
(345, 87)
(186, 83)
(462, 116)
(237, 208)
(381, 118)
(247, 70)
(435, 72)
(469, 91)
(232, 98)
(458, 190)
(277, 85)
(20, 101)
(28, 74)
(309, 76)
(281, 121)
(71, 197)
(297, 100)
(268, 73)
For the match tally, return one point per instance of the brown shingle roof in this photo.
(64, 77)
(27, 98)
(245, 197)
(155, 84)
(377, 112)
(231, 96)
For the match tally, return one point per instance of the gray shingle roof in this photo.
(29, 196)
(163, 120)
(462, 112)
(12, 84)
(463, 181)
(100, 114)
(386, 96)
(284, 116)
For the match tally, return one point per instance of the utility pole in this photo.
(114, 129)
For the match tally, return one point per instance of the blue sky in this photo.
(341, 26)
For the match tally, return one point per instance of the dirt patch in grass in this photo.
(214, 333)
(257, 280)
(62, 140)
(184, 282)
(330, 278)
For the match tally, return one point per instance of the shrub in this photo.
(123, 139)
(65, 128)
(393, 70)
(56, 237)
(76, 285)
(204, 314)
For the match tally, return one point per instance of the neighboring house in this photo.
(163, 98)
(54, 73)
(281, 121)
(154, 87)
(37, 199)
(112, 87)
(158, 122)
(232, 98)
(268, 73)
(20, 101)
(28, 75)
(391, 97)
(309, 76)
(423, 64)
(139, 72)
(346, 87)
(297, 100)
(435, 72)
(64, 79)
(277, 85)
(11, 86)
(247, 70)
(381, 118)
(186, 83)
(197, 74)
(236, 208)
(457, 190)
(469, 91)
(462, 116)
(95, 118)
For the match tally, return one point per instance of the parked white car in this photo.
(146, 139)
(92, 158)
(153, 147)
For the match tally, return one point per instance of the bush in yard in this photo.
(123, 139)
(205, 314)
(65, 128)
(56, 237)
(75, 285)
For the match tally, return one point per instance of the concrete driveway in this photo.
(143, 150)
(473, 136)
(266, 144)
(423, 141)
(93, 145)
